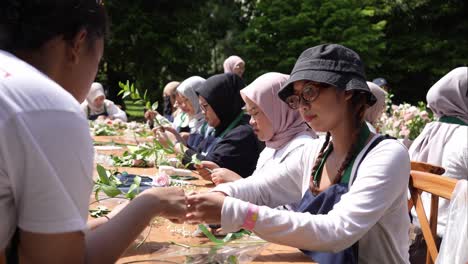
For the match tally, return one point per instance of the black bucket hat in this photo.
(331, 64)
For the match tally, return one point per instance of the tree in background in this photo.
(425, 40)
(280, 30)
(410, 43)
(154, 42)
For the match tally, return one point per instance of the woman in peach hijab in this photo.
(235, 65)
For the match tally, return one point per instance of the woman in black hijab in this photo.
(233, 144)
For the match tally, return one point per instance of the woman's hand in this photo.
(205, 169)
(162, 136)
(168, 202)
(174, 132)
(222, 175)
(150, 115)
(205, 207)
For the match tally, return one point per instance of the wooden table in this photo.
(163, 231)
(121, 139)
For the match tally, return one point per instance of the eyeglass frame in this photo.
(204, 107)
(316, 86)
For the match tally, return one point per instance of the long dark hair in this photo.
(28, 24)
(359, 105)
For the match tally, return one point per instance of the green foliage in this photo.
(154, 42)
(410, 43)
(280, 30)
(109, 183)
(103, 129)
(425, 40)
(137, 102)
(144, 155)
(99, 211)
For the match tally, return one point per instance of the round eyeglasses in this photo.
(310, 92)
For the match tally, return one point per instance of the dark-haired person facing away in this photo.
(49, 55)
(355, 206)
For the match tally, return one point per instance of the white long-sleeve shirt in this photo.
(373, 212)
(112, 110)
(455, 163)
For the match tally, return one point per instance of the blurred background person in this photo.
(96, 105)
(374, 112)
(234, 64)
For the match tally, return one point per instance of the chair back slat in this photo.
(437, 186)
(426, 167)
(432, 183)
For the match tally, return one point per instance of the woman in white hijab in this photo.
(374, 112)
(96, 105)
(187, 101)
(444, 142)
(235, 65)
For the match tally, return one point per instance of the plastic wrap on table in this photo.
(239, 251)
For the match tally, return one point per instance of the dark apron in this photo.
(323, 203)
(94, 117)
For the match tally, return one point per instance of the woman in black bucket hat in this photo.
(353, 205)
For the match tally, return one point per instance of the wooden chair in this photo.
(426, 167)
(438, 186)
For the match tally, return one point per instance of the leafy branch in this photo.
(108, 183)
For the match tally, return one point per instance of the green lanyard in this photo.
(182, 117)
(232, 125)
(363, 136)
(203, 128)
(452, 120)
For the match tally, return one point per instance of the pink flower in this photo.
(396, 124)
(162, 180)
(404, 132)
(424, 115)
(408, 116)
(394, 107)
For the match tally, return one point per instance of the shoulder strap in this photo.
(375, 143)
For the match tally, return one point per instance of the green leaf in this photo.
(210, 235)
(134, 188)
(110, 191)
(145, 95)
(232, 260)
(126, 94)
(195, 160)
(102, 174)
(96, 192)
(155, 105)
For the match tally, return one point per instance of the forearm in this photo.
(272, 188)
(299, 230)
(116, 235)
(94, 223)
(120, 115)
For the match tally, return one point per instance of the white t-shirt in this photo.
(112, 110)
(46, 154)
(374, 211)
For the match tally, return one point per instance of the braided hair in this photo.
(359, 106)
